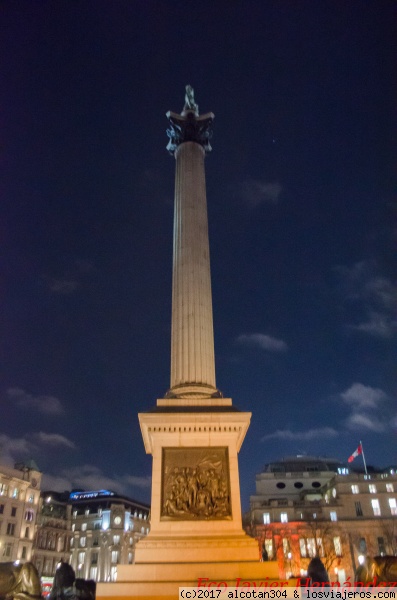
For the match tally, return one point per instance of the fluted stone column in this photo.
(192, 335)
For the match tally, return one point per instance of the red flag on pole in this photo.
(356, 453)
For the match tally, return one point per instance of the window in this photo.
(116, 539)
(372, 488)
(302, 546)
(333, 515)
(94, 573)
(83, 540)
(285, 546)
(29, 515)
(3, 489)
(27, 532)
(280, 485)
(269, 548)
(10, 528)
(24, 552)
(393, 506)
(311, 547)
(74, 527)
(94, 558)
(115, 556)
(130, 558)
(71, 542)
(81, 557)
(7, 550)
(266, 518)
(83, 526)
(1, 509)
(337, 546)
(284, 518)
(359, 510)
(97, 525)
(113, 573)
(355, 489)
(362, 546)
(95, 541)
(381, 546)
(31, 499)
(375, 507)
(13, 511)
(99, 512)
(87, 512)
(389, 487)
(15, 493)
(74, 514)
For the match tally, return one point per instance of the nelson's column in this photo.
(194, 433)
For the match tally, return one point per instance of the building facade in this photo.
(105, 529)
(53, 533)
(340, 515)
(19, 505)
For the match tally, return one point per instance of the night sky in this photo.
(300, 190)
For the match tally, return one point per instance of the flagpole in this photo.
(362, 454)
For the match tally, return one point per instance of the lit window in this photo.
(3, 490)
(84, 527)
(302, 546)
(269, 548)
(333, 516)
(311, 547)
(285, 546)
(15, 493)
(389, 487)
(113, 573)
(83, 541)
(87, 512)
(375, 507)
(355, 489)
(372, 488)
(81, 557)
(99, 512)
(31, 499)
(337, 546)
(115, 556)
(393, 506)
(266, 518)
(72, 542)
(334, 492)
(74, 514)
(116, 539)
(284, 518)
(73, 526)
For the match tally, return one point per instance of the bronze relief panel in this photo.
(195, 484)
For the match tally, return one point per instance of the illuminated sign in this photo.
(89, 495)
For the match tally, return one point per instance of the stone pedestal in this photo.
(184, 544)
